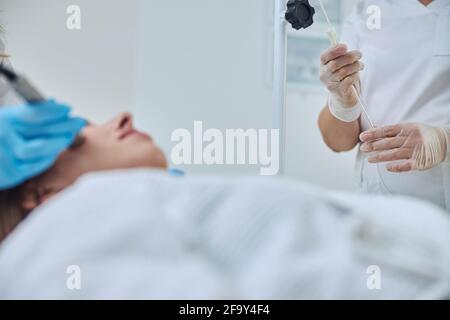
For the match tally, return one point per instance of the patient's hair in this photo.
(11, 210)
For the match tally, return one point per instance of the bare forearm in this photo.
(338, 135)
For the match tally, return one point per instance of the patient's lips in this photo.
(135, 133)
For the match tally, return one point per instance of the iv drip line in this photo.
(333, 39)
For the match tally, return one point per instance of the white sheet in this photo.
(142, 234)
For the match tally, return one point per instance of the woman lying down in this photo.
(108, 222)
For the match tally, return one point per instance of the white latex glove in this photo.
(339, 72)
(407, 147)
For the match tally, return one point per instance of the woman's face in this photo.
(118, 145)
(114, 145)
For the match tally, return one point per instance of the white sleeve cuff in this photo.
(342, 112)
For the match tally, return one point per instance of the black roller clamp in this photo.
(300, 14)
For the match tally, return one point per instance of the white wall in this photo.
(205, 60)
(90, 68)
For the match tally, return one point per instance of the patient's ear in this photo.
(30, 200)
(36, 192)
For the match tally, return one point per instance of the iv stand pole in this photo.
(279, 79)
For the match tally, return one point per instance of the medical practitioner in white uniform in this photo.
(402, 70)
(31, 136)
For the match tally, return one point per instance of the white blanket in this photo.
(142, 234)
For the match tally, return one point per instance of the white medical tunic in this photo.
(406, 79)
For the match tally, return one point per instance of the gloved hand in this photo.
(407, 147)
(339, 72)
(31, 139)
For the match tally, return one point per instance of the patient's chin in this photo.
(157, 159)
(147, 155)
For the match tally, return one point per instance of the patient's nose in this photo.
(123, 123)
